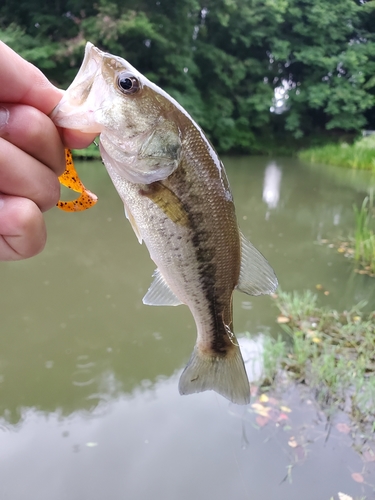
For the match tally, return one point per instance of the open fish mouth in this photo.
(78, 109)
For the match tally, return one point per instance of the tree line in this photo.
(251, 72)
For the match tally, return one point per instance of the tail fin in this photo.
(223, 374)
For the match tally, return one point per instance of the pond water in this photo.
(89, 404)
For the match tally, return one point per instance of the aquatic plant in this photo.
(364, 238)
(360, 155)
(332, 352)
(297, 304)
(274, 352)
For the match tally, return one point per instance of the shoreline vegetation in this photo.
(360, 246)
(359, 155)
(364, 237)
(331, 352)
(259, 77)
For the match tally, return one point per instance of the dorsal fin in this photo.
(159, 293)
(256, 276)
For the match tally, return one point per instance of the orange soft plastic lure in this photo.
(71, 180)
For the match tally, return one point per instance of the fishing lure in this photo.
(71, 180)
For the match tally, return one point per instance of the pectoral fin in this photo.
(256, 276)
(159, 293)
(167, 201)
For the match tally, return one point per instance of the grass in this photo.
(332, 352)
(361, 247)
(360, 155)
(364, 237)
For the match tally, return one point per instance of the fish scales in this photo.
(178, 200)
(194, 257)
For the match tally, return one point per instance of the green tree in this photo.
(330, 61)
(221, 59)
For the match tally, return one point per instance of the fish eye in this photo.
(128, 84)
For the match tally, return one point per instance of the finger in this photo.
(23, 175)
(22, 228)
(32, 131)
(75, 139)
(21, 82)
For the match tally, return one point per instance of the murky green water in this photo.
(88, 375)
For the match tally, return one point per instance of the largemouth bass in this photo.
(178, 200)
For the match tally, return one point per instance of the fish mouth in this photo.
(78, 109)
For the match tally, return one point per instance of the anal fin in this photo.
(159, 293)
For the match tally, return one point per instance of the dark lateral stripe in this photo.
(207, 279)
(205, 256)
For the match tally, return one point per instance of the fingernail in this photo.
(4, 116)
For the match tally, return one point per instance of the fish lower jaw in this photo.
(66, 116)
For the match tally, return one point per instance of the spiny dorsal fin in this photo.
(159, 293)
(256, 276)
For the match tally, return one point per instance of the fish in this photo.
(71, 180)
(178, 200)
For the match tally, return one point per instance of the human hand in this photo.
(31, 155)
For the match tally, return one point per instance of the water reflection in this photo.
(337, 217)
(89, 384)
(156, 444)
(359, 180)
(83, 361)
(271, 185)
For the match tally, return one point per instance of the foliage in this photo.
(364, 252)
(361, 247)
(360, 155)
(222, 59)
(91, 152)
(274, 353)
(331, 351)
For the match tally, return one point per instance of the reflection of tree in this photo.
(360, 180)
(91, 387)
(72, 382)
